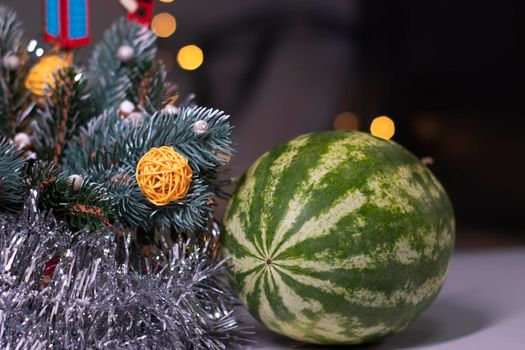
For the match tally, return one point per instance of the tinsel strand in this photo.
(98, 299)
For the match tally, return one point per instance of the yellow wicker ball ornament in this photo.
(163, 175)
(43, 73)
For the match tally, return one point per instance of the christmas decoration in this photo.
(164, 175)
(15, 102)
(91, 261)
(67, 22)
(140, 11)
(125, 53)
(11, 62)
(22, 140)
(49, 270)
(91, 297)
(350, 248)
(141, 83)
(126, 108)
(43, 75)
(200, 127)
(65, 111)
(11, 181)
(75, 181)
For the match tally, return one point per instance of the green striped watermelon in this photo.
(338, 238)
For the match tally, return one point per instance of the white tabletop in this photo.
(481, 306)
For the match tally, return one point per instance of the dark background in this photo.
(449, 73)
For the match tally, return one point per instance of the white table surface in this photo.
(481, 306)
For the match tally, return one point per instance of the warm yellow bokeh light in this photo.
(190, 57)
(168, 1)
(383, 127)
(163, 25)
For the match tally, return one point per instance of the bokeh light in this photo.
(167, 1)
(346, 121)
(190, 57)
(163, 25)
(383, 127)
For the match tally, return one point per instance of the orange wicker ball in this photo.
(43, 74)
(163, 175)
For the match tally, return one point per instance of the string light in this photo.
(383, 127)
(39, 52)
(32, 45)
(190, 57)
(163, 25)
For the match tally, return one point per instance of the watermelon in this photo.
(338, 238)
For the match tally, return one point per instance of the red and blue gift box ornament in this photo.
(67, 22)
(139, 11)
(143, 13)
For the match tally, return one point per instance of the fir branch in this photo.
(15, 104)
(62, 125)
(112, 79)
(11, 31)
(89, 211)
(148, 89)
(109, 145)
(11, 182)
(65, 111)
(79, 205)
(145, 85)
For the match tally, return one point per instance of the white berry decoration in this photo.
(171, 109)
(200, 127)
(126, 108)
(11, 62)
(125, 53)
(22, 140)
(75, 181)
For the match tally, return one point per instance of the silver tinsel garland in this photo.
(100, 297)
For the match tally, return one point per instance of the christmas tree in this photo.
(107, 186)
